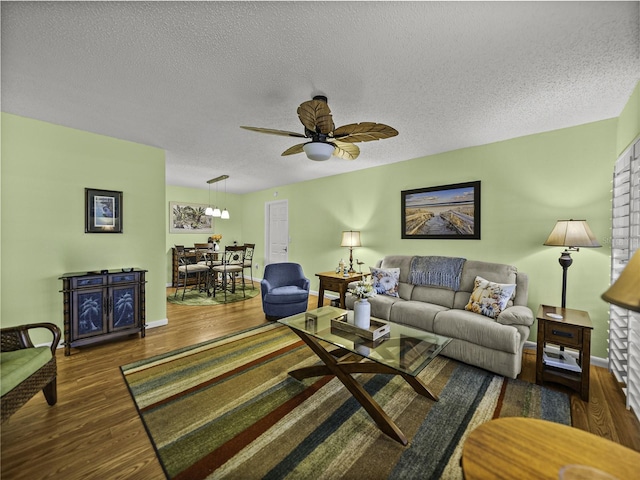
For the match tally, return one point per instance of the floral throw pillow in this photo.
(489, 298)
(385, 280)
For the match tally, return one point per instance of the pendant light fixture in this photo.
(225, 212)
(209, 211)
(216, 211)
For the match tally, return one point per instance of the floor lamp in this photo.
(571, 234)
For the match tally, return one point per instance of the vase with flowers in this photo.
(363, 289)
(215, 239)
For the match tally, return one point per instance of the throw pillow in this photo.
(490, 298)
(385, 280)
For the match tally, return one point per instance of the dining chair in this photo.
(189, 267)
(224, 275)
(248, 261)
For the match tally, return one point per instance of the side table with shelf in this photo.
(335, 282)
(572, 330)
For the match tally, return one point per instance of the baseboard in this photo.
(157, 323)
(597, 361)
(330, 296)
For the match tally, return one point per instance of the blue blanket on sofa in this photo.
(436, 271)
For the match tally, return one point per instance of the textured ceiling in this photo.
(184, 76)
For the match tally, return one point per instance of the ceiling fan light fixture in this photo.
(318, 151)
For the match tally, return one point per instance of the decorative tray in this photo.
(377, 329)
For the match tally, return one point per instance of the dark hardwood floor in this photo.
(94, 431)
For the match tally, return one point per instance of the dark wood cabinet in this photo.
(103, 305)
(564, 328)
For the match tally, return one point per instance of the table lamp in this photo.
(571, 234)
(350, 238)
(625, 291)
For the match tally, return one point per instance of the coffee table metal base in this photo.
(342, 364)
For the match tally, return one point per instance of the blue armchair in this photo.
(285, 290)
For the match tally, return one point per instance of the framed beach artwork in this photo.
(189, 218)
(103, 211)
(443, 212)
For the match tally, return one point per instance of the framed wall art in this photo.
(189, 218)
(443, 212)
(103, 211)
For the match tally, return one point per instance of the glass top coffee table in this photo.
(403, 351)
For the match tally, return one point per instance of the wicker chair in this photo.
(43, 378)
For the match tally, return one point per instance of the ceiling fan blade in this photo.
(316, 117)
(364, 132)
(272, 131)
(293, 150)
(347, 151)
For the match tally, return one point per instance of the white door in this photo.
(277, 234)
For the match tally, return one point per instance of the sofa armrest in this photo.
(516, 315)
(265, 287)
(305, 284)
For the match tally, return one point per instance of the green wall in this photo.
(527, 184)
(45, 169)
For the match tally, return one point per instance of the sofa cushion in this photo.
(439, 296)
(415, 314)
(490, 298)
(385, 280)
(380, 305)
(477, 329)
(286, 294)
(494, 272)
(18, 365)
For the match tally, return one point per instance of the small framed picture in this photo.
(442, 212)
(103, 211)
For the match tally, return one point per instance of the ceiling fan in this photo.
(326, 139)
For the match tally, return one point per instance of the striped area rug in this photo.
(227, 409)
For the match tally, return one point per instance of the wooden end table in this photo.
(573, 331)
(335, 282)
(527, 448)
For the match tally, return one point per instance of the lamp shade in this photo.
(350, 238)
(209, 212)
(625, 291)
(572, 233)
(318, 151)
(225, 214)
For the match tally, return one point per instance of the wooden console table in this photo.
(335, 282)
(527, 448)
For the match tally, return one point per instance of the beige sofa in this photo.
(494, 344)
